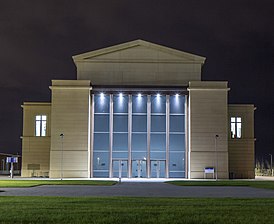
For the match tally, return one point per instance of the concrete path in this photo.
(139, 190)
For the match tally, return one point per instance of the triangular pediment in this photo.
(139, 51)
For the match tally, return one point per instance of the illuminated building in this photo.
(138, 110)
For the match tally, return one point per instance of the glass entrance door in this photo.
(119, 168)
(139, 168)
(158, 168)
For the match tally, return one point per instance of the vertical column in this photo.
(129, 135)
(91, 136)
(189, 136)
(110, 134)
(186, 138)
(148, 133)
(167, 136)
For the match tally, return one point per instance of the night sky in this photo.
(38, 38)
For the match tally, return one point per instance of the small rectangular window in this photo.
(236, 127)
(40, 125)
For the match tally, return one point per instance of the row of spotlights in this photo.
(139, 94)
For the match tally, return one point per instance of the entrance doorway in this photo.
(119, 168)
(158, 168)
(139, 168)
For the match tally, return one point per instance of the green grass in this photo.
(247, 183)
(32, 183)
(134, 210)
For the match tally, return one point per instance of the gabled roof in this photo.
(136, 43)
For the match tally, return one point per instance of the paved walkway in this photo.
(139, 190)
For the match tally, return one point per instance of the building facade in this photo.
(138, 110)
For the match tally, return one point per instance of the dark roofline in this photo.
(135, 89)
(7, 154)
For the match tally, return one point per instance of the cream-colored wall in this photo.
(138, 65)
(71, 117)
(35, 150)
(207, 117)
(242, 150)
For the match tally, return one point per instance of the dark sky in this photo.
(38, 38)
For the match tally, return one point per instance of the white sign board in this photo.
(12, 160)
(209, 170)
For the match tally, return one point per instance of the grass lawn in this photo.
(251, 183)
(134, 210)
(32, 183)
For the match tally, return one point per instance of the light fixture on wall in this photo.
(62, 153)
(102, 95)
(177, 99)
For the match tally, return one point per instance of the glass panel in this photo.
(177, 104)
(158, 155)
(239, 130)
(139, 104)
(120, 104)
(101, 141)
(139, 142)
(120, 155)
(101, 103)
(233, 130)
(139, 168)
(37, 127)
(158, 104)
(158, 169)
(139, 123)
(101, 123)
(44, 128)
(239, 119)
(158, 123)
(158, 142)
(177, 123)
(176, 142)
(176, 161)
(44, 117)
(233, 119)
(139, 155)
(177, 174)
(38, 117)
(100, 174)
(119, 165)
(101, 161)
(120, 142)
(120, 123)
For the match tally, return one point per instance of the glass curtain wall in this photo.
(177, 136)
(139, 136)
(143, 133)
(120, 134)
(158, 136)
(101, 135)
